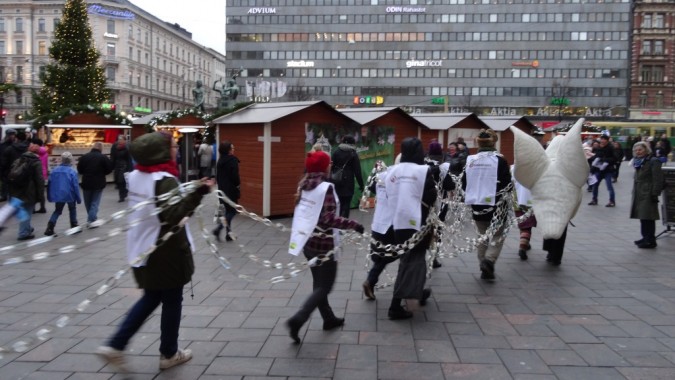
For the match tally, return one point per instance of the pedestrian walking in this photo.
(170, 266)
(314, 233)
(63, 189)
(94, 167)
(43, 154)
(605, 163)
(122, 164)
(28, 185)
(346, 160)
(227, 177)
(411, 191)
(647, 186)
(486, 176)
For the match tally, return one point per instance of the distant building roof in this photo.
(266, 112)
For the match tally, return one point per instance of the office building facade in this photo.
(150, 64)
(505, 57)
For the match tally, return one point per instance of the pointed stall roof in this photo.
(143, 120)
(268, 112)
(502, 123)
(443, 121)
(365, 116)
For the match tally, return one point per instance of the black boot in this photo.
(50, 229)
(216, 231)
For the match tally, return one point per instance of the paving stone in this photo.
(357, 357)
(523, 361)
(436, 351)
(646, 373)
(355, 374)
(560, 358)
(239, 366)
(410, 370)
(573, 334)
(595, 373)
(303, 367)
(475, 371)
(478, 356)
(599, 355)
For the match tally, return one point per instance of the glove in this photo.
(359, 229)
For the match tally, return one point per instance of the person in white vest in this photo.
(486, 174)
(411, 191)
(314, 233)
(170, 266)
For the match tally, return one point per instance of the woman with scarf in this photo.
(314, 233)
(121, 160)
(647, 186)
(163, 273)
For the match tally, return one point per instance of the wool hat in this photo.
(487, 138)
(66, 158)
(435, 148)
(151, 148)
(317, 162)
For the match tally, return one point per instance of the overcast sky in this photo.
(205, 19)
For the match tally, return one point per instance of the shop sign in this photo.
(423, 63)
(114, 13)
(108, 106)
(440, 100)
(300, 64)
(534, 63)
(405, 9)
(110, 35)
(503, 111)
(560, 102)
(259, 10)
(368, 100)
(142, 109)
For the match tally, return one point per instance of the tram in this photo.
(622, 130)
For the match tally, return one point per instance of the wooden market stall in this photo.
(448, 127)
(271, 140)
(501, 124)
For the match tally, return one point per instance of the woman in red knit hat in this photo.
(315, 222)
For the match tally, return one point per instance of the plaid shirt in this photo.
(328, 219)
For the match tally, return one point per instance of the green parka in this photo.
(647, 186)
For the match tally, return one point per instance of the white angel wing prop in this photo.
(556, 184)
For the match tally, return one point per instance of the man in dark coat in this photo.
(227, 177)
(346, 158)
(121, 161)
(93, 166)
(31, 191)
(10, 136)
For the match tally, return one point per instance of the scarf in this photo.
(638, 162)
(170, 167)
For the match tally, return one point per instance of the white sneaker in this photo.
(113, 357)
(180, 357)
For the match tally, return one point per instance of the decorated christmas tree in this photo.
(74, 76)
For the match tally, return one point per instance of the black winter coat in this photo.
(227, 176)
(93, 167)
(121, 161)
(606, 154)
(345, 155)
(11, 153)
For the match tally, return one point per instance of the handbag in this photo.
(337, 175)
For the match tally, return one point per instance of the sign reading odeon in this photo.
(262, 10)
(423, 63)
(405, 9)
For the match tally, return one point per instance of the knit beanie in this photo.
(151, 148)
(317, 162)
(487, 138)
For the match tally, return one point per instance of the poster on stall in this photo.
(373, 143)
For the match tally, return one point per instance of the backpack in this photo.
(20, 172)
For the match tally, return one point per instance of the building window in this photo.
(19, 74)
(19, 47)
(42, 70)
(659, 99)
(131, 100)
(130, 32)
(646, 21)
(18, 25)
(110, 73)
(647, 47)
(19, 96)
(2, 47)
(41, 25)
(42, 47)
(643, 99)
(131, 53)
(110, 49)
(2, 25)
(111, 26)
(658, 47)
(658, 20)
(57, 21)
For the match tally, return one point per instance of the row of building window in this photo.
(543, 92)
(435, 18)
(443, 73)
(653, 47)
(282, 3)
(429, 54)
(427, 36)
(19, 25)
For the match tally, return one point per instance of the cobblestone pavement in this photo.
(607, 313)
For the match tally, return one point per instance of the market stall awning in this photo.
(89, 126)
